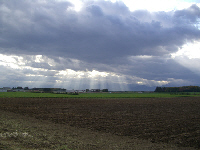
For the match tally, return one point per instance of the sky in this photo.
(119, 45)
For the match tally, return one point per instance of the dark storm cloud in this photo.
(159, 68)
(102, 36)
(93, 34)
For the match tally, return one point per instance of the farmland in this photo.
(172, 121)
(99, 95)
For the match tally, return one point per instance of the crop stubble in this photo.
(168, 120)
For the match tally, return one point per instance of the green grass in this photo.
(97, 95)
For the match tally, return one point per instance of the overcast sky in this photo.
(87, 44)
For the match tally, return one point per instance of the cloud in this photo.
(102, 36)
(190, 14)
(54, 30)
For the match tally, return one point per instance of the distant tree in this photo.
(47, 90)
(158, 89)
(105, 90)
(178, 89)
(19, 87)
(26, 88)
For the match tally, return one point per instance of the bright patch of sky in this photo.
(153, 5)
(158, 5)
(189, 56)
(190, 50)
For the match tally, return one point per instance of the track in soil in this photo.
(169, 120)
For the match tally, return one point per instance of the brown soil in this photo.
(159, 120)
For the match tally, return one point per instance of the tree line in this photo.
(178, 89)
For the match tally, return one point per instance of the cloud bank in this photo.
(104, 45)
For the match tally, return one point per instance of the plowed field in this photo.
(168, 120)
